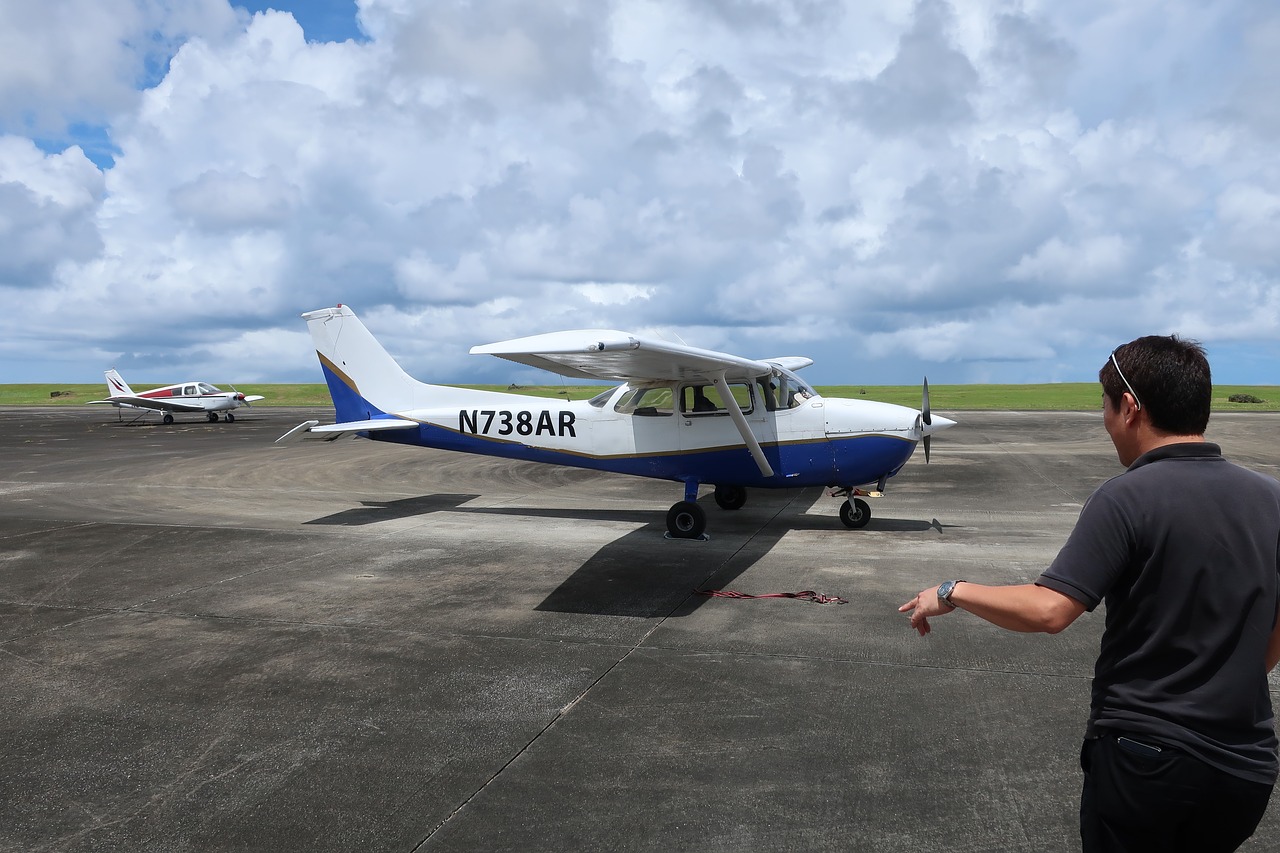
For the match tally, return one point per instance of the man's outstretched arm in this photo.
(1026, 607)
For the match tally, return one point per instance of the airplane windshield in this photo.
(206, 388)
(782, 389)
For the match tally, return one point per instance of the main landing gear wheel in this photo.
(730, 497)
(168, 418)
(213, 417)
(686, 520)
(855, 513)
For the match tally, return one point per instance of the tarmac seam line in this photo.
(573, 703)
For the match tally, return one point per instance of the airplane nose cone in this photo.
(939, 423)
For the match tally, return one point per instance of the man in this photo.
(1184, 548)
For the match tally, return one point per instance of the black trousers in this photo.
(1138, 798)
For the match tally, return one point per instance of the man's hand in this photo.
(924, 605)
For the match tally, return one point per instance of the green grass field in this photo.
(1064, 396)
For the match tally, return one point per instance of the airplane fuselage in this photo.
(818, 442)
(685, 414)
(201, 394)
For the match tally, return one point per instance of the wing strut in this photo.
(740, 421)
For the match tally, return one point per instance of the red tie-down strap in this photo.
(806, 595)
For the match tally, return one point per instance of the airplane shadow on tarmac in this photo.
(641, 574)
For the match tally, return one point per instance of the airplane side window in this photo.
(706, 399)
(600, 399)
(189, 391)
(700, 399)
(646, 401)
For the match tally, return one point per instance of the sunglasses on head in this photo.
(1136, 401)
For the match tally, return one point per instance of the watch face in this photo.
(944, 591)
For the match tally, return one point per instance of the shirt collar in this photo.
(1180, 450)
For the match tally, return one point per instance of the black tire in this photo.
(686, 520)
(168, 418)
(213, 417)
(230, 417)
(855, 513)
(730, 497)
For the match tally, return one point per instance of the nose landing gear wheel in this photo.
(686, 520)
(855, 513)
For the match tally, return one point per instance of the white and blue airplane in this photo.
(689, 415)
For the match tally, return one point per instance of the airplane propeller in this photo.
(925, 419)
(240, 397)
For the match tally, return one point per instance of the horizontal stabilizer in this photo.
(316, 431)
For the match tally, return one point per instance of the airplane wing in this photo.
(314, 430)
(153, 403)
(791, 362)
(253, 398)
(622, 357)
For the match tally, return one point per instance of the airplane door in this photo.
(803, 449)
(650, 424)
(805, 457)
(705, 426)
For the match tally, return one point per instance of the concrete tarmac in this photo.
(209, 642)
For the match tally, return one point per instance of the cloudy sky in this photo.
(976, 190)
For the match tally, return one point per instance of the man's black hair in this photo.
(1169, 376)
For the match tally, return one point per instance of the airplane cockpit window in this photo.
(782, 389)
(706, 399)
(645, 402)
(206, 388)
(188, 390)
(600, 399)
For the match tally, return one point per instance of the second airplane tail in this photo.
(116, 386)
(364, 380)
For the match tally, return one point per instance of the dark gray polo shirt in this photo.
(1184, 547)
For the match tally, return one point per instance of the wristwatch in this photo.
(944, 592)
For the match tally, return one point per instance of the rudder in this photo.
(116, 386)
(364, 380)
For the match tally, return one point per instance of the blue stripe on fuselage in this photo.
(860, 459)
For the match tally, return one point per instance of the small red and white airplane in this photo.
(685, 414)
(184, 397)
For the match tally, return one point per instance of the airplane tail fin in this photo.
(364, 380)
(116, 386)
